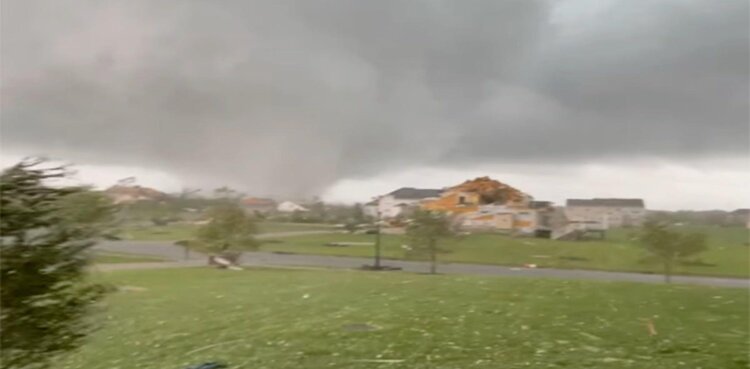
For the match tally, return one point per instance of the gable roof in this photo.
(410, 193)
(135, 191)
(257, 201)
(491, 191)
(619, 203)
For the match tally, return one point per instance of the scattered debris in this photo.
(380, 268)
(214, 345)
(541, 256)
(383, 361)
(223, 263)
(573, 258)
(591, 336)
(209, 365)
(532, 266)
(650, 327)
(347, 244)
(360, 327)
(132, 289)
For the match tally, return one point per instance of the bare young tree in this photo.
(669, 246)
(229, 232)
(425, 232)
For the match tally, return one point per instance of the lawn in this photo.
(171, 232)
(278, 227)
(170, 319)
(175, 232)
(727, 255)
(113, 258)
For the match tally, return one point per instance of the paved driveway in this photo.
(175, 253)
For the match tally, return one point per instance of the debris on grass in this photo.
(199, 349)
(360, 327)
(132, 289)
(209, 365)
(573, 258)
(591, 336)
(650, 327)
(347, 244)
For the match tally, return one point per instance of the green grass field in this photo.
(114, 258)
(277, 227)
(172, 232)
(728, 252)
(279, 319)
(175, 232)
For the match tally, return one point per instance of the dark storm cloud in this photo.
(289, 96)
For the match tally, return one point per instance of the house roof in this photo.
(257, 201)
(136, 191)
(410, 193)
(619, 203)
(491, 191)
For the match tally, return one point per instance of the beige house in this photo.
(518, 220)
(608, 212)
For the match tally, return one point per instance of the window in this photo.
(462, 200)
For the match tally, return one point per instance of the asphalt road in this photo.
(169, 251)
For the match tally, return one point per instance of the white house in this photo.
(392, 204)
(290, 207)
(371, 209)
(609, 212)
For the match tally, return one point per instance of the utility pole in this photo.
(377, 242)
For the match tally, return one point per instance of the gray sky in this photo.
(348, 98)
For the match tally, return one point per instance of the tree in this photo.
(229, 232)
(669, 246)
(425, 231)
(227, 194)
(45, 235)
(358, 214)
(351, 226)
(89, 209)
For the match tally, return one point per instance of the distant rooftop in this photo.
(256, 201)
(135, 191)
(409, 193)
(615, 203)
(540, 204)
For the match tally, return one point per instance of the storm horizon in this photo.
(352, 99)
